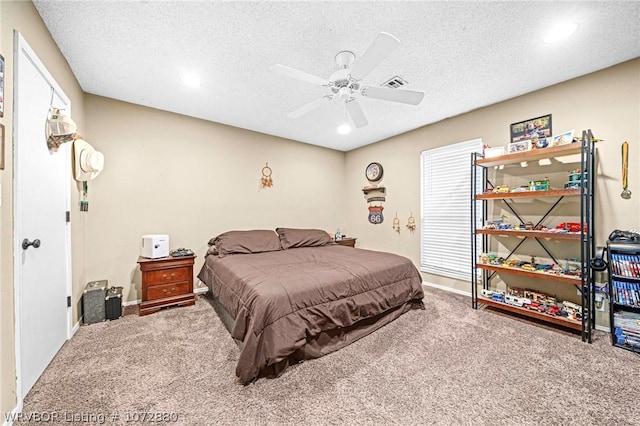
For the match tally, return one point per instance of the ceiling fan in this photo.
(346, 83)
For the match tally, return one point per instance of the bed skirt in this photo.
(323, 343)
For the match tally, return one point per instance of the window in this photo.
(445, 240)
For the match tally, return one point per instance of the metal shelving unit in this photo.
(483, 274)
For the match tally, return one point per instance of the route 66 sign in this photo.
(375, 214)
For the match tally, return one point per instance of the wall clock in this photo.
(374, 172)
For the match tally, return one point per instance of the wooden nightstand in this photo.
(166, 281)
(351, 242)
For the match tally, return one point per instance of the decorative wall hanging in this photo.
(374, 193)
(375, 214)
(411, 223)
(626, 193)
(266, 181)
(396, 224)
(84, 202)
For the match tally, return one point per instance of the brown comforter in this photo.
(303, 303)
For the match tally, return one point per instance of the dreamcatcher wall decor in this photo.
(396, 224)
(411, 223)
(266, 181)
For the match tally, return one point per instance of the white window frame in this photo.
(445, 234)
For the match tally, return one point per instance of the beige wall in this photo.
(22, 16)
(608, 102)
(192, 179)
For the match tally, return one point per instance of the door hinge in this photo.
(68, 301)
(68, 216)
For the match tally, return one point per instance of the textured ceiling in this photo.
(462, 55)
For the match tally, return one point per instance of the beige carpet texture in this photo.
(446, 365)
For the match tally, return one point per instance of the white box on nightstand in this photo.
(154, 246)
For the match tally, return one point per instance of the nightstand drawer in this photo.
(170, 275)
(167, 290)
(166, 282)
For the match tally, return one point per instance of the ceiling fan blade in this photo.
(309, 107)
(394, 95)
(356, 113)
(299, 75)
(381, 47)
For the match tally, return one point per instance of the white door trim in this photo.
(21, 45)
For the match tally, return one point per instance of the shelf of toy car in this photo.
(533, 155)
(555, 235)
(556, 319)
(529, 194)
(551, 276)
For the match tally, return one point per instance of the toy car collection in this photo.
(576, 179)
(535, 301)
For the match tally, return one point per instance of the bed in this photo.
(293, 294)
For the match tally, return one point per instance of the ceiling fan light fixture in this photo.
(345, 59)
(560, 32)
(344, 93)
(344, 129)
(191, 80)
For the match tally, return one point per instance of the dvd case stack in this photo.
(624, 292)
(626, 329)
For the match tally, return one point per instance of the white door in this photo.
(42, 189)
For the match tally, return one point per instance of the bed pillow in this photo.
(291, 238)
(244, 242)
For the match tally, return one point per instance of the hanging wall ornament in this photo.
(396, 224)
(375, 214)
(266, 180)
(411, 223)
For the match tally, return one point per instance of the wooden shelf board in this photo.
(533, 155)
(533, 314)
(531, 234)
(568, 279)
(529, 194)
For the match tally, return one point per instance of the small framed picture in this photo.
(521, 146)
(562, 139)
(534, 128)
(493, 152)
(1, 147)
(1, 86)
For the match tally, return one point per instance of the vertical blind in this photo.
(445, 240)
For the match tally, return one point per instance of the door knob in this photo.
(25, 243)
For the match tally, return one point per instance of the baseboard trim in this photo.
(76, 327)
(200, 290)
(132, 302)
(445, 288)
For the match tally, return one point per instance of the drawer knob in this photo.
(173, 274)
(164, 276)
(164, 290)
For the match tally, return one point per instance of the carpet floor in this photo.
(448, 364)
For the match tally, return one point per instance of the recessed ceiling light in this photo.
(344, 129)
(560, 32)
(191, 80)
